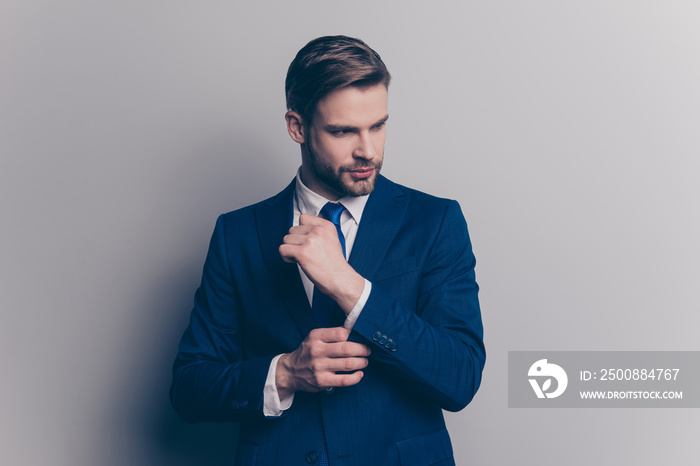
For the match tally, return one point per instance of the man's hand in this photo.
(313, 365)
(314, 245)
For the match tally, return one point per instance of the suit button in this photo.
(376, 336)
(238, 404)
(330, 390)
(311, 457)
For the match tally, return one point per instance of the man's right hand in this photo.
(313, 365)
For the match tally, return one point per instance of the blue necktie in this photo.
(326, 312)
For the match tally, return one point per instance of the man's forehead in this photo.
(353, 106)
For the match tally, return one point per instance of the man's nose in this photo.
(365, 147)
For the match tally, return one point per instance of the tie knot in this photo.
(332, 211)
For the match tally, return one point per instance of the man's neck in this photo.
(312, 202)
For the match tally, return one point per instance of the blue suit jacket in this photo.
(422, 321)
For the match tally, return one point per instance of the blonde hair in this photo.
(329, 63)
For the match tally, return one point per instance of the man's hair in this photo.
(329, 63)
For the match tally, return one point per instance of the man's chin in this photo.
(360, 187)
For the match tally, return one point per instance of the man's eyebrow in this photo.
(339, 128)
(332, 127)
(381, 121)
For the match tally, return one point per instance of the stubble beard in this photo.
(326, 174)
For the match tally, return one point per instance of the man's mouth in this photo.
(361, 173)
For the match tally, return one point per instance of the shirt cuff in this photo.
(272, 405)
(359, 305)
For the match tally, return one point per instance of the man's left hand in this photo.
(314, 245)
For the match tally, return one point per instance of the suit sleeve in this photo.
(211, 382)
(437, 349)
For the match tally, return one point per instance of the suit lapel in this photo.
(381, 219)
(274, 219)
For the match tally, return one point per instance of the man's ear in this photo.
(295, 126)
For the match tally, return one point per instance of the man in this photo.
(322, 359)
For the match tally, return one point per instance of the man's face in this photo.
(344, 145)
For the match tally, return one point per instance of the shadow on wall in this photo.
(196, 444)
(150, 429)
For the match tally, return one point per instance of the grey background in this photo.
(568, 131)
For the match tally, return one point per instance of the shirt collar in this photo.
(310, 202)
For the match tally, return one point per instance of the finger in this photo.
(347, 349)
(331, 334)
(322, 367)
(308, 219)
(294, 239)
(288, 253)
(345, 380)
(301, 229)
(347, 365)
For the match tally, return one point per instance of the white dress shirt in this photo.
(309, 202)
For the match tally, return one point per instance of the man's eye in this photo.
(340, 132)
